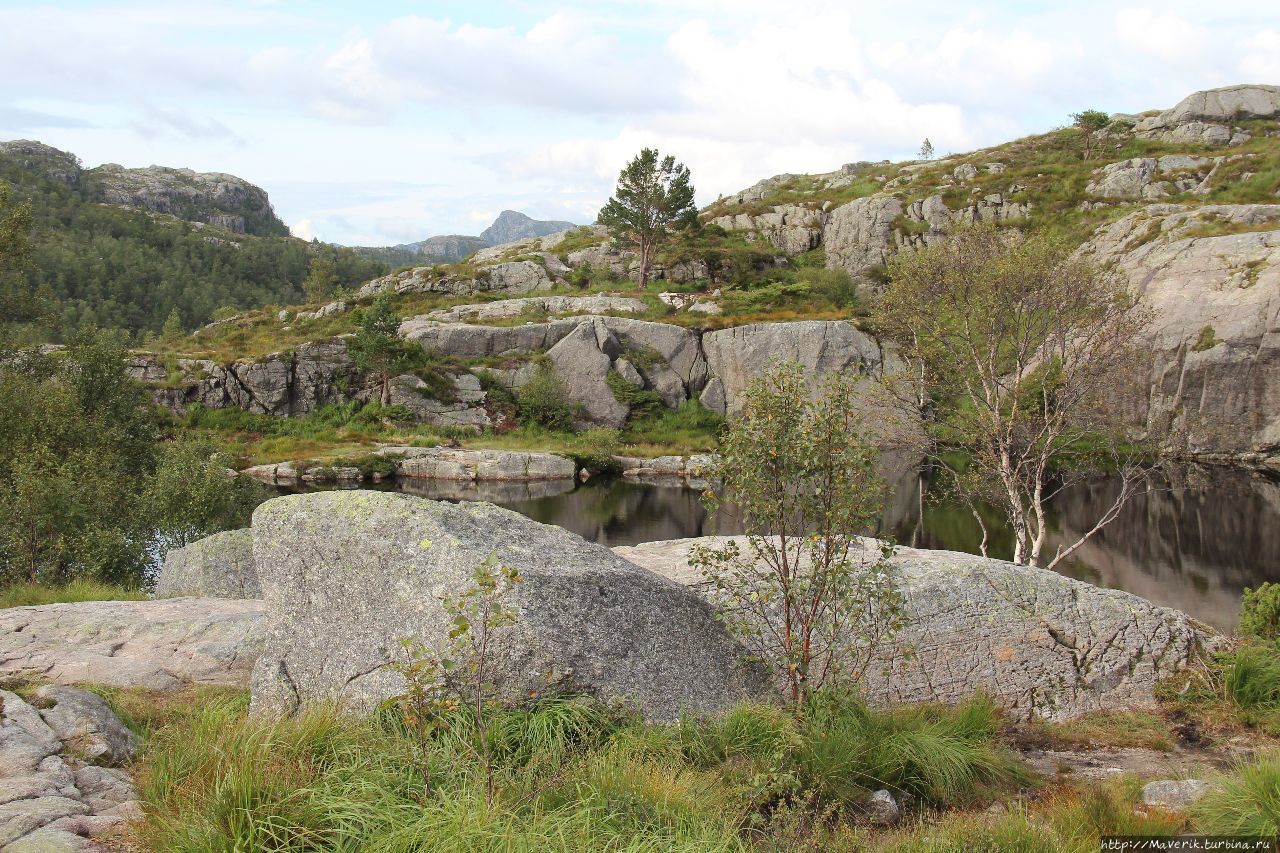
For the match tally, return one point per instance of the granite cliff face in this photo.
(1211, 277)
(212, 198)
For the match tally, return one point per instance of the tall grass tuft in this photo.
(945, 756)
(1246, 802)
(1252, 678)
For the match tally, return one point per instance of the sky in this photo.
(377, 123)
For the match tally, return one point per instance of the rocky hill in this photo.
(128, 248)
(1183, 202)
(510, 226)
(212, 198)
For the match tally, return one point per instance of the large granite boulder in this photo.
(165, 644)
(736, 356)
(1039, 643)
(217, 566)
(1211, 277)
(348, 575)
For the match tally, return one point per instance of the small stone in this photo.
(1174, 795)
(882, 808)
(628, 371)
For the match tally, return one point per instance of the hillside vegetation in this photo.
(115, 266)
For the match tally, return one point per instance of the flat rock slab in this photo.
(1039, 643)
(158, 645)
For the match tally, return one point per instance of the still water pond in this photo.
(1194, 542)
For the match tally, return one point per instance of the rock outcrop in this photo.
(217, 566)
(485, 312)
(213, 197)
(1041, 644)
(282, 384)
(1153, 178)
(1211, 277)
(158, 645)
(1207, 117)
(58, 784)
(374, 567)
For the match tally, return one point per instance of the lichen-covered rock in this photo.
(1039, 643)
(217, 566)
(83, 721)
(164, 644)
(53, 796)
(375, 565)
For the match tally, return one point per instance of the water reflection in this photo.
(1193, 542)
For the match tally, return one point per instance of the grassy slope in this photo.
(574, 775)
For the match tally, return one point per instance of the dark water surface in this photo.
(1194, 542)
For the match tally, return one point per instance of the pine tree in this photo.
(926, 149)
(172, 329)
(652, 199)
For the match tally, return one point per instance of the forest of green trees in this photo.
(92, 264)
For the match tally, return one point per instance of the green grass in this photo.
(572, 775)
(27, 594)
(1071, 820)
(1246, 801)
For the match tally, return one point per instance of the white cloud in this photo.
(1161, 34)
(302, 229)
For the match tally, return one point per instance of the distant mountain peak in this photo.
(512, 225)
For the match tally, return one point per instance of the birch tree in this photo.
(1024, 356)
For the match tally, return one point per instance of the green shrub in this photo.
(544, 401)
(1260, 612)
(594, 450)
(643, 402)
